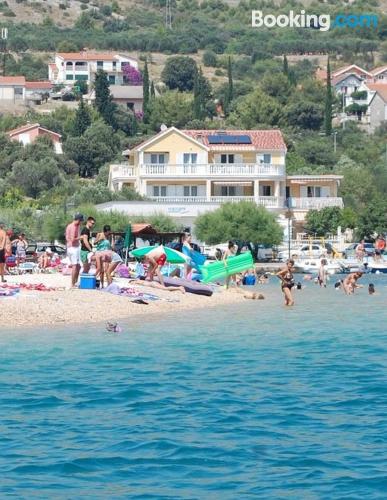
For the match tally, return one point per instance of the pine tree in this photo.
(145, 88)
(285, 66)
(230, 89)
(197, 104)
(328, 102)
(82, 119)
(103, 98)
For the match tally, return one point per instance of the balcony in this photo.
(122, 172)
(266, 201)
(315, 203)
(212, 170)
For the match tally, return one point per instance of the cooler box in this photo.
(87, 282)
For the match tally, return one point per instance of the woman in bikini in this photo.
(286, 277)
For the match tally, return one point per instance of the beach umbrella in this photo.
(173, 256)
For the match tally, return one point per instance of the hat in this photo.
(48, 250)
(79, 216)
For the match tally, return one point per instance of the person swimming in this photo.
(371, 289)
(113, 327)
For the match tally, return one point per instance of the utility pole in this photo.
(335, 142)
(4, 37)
(168, 14)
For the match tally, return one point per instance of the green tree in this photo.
(145, 87)
(285, 68)
(306, 115)
(103, 99)
(82, 120)
(152, 90)
(256, 109)
(202, 94)
(230, 88)
(276, 85)
(35, 177)
(97, 146)
(373, 218)
(179, 73)
(328, 102)
(243, 221)
(209, 58)
(325, 221)
(172, 108)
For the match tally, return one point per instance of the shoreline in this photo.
(30, 308)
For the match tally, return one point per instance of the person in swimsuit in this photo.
(230, 252)
(21, 245)
(156, 258)
(350, 282)
(322, 274)
(286, 277)
(103, 254)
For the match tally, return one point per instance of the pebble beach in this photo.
(63, 306)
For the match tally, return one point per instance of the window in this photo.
(267, 158)
(287, 192)
(190, 190)
(130, 105)
(69, 77)
(81, 78)
(227, 158)
(158, 158)
(114, 65)
(160, 191)
(99, 64)
(228, 191)
(190, 158)
(314, 192)
(266, 190)
(112, 79)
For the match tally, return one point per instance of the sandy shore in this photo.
(29, 308)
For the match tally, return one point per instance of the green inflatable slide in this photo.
(228, 267)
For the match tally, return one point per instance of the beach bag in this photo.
(123, 271)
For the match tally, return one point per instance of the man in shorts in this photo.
(85, 243)
(156, 259)
(5, 246)
(74, 247)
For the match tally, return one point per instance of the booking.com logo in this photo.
(322, 22)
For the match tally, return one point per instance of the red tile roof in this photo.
(12, 80)
(39, 85)
(380, 88)
(29, 126)
(380, 69)
(87, 56)
(260, 139)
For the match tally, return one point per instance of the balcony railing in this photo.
(315, 203)
(122, 171)
(212, 169)
(266, 201)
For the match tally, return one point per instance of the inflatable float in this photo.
(197, 259)
(189, 286)
(228, 267)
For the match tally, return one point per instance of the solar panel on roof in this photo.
(229, 139)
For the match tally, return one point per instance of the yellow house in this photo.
(182, 169)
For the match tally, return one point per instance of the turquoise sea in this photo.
(249, 401)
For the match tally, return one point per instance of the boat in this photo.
(376, 267)
(333, 266)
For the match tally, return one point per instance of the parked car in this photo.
(350, 251)
(34, 249)
(313, 250)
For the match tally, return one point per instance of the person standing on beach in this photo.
(74, 248)
(86, 247)
(230, 252)
(287, 279)
(21, 245)
(5, 248)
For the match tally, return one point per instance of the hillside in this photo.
(65, 12)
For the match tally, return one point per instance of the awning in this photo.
(233, 183)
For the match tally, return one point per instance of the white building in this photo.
(69, 67)
(184, 173)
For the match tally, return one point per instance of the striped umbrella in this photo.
(173, 256)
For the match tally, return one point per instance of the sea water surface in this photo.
(249, 401)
